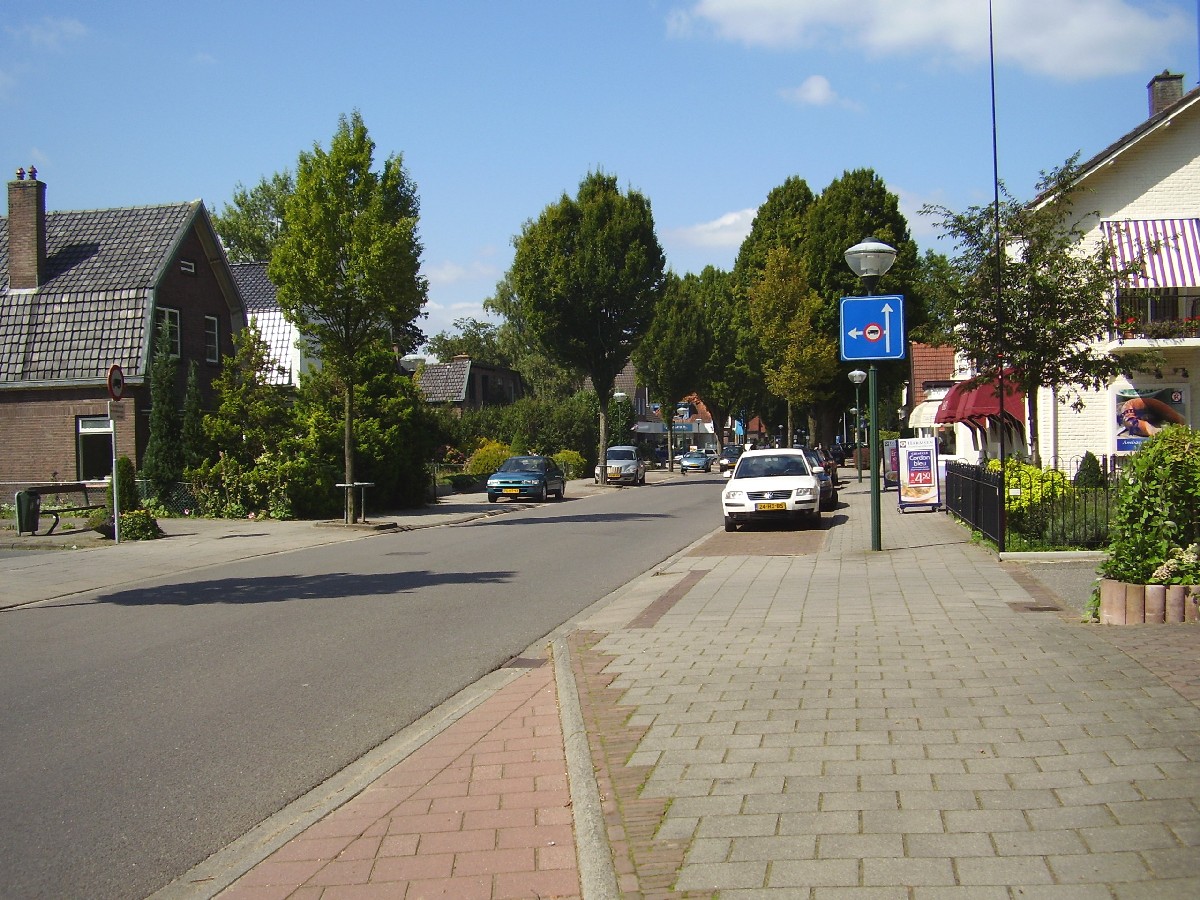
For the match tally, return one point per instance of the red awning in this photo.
(1166, 252)
(974, 402)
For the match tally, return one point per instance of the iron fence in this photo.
(1065, 506)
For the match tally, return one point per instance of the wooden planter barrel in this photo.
(1135, 604)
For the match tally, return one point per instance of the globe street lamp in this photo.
(869, 260)
(858, 376)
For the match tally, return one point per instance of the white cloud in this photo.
(1068, 39)
(49, 33)
(725, 231)
(815, 90)
(447, 273)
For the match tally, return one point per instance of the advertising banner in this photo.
(919, 473)
(1141, 412)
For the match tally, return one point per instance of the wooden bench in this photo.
(60, 506)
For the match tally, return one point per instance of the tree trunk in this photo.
(1035, 449)
(351, 509)
(603, 455)
(791, 428)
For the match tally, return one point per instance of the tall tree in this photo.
(670, 356)
(588, 273)
(728, 380)
(546, 377)
(192, 438)
(799, 358)
(251, 414)
(347, 266)
(850, 208)
(1054, 299)
(162, 462)
(252, 224)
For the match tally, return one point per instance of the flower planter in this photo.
(1134, 604)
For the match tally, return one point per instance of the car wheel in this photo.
(562, 492)
(730, 525)
(541, 495)
(492, 498)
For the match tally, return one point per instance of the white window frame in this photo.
(167, 317)
(212, 339)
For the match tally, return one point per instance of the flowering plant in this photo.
(1182, 566)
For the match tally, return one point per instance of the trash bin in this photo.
(29, 510)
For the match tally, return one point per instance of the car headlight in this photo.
(805, 493)
(734, 495)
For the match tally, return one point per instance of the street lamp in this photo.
(858, 376)
(869, 260)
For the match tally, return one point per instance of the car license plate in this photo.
(614, 473)
(512, 490)
(769, 507)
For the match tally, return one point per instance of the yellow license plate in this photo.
(614, 473)
(768, 507)
(512, 490)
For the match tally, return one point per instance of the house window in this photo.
(187, 267)
(212, 339)
(94, 447)
(169, 319)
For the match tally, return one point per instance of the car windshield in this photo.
(772, 466)
(523, 464)
(623, 453)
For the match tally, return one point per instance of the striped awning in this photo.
(1166, 252)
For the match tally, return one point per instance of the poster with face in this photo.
(1142, 412)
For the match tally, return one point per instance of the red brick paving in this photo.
(481, 811)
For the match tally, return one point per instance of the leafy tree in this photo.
(253, 223)
(192, 438)
(545, 376)
(588, 273)
(729, 380)
(1054, 298)
(850, 208)
(476, 339)
(347, 266)
(670, 356)
(799, 359)
(251, 413)
(162, 462)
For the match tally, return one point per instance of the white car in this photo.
(771, 485)
(624, 466)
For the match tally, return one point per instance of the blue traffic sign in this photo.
(872, 328)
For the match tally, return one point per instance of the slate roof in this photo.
(93, 308)
(445, 382)
(262, 305)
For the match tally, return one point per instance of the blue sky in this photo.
(498, 108)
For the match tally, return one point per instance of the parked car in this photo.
(695, 461)
(729, 457)
(829, 492)
(771, 485)
(624, 466)
(528, 478)
(828, 463)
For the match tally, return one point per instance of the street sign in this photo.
(872, 328)
(116, 382)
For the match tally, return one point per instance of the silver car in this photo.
(771, 485)
(624, 466)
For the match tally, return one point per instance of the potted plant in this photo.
(1155, 525)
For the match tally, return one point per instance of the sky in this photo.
(499, 108)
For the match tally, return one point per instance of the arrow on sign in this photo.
(887, 327)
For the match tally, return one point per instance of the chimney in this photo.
(26, 231)
(1164, 90)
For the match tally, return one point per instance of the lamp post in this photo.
(869, 260)
(858, 376)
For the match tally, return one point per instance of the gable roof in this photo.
(94, 307)
(445, 382)
(262, 304)
(1188, 103)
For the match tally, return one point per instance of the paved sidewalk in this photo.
(785, 715)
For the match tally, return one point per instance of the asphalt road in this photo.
(146, 728)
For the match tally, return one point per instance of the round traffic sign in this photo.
(873, 332)
(116, 382)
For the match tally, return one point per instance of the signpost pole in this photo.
(116, 390)
(873, 399)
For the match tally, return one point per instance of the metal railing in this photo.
(1064, 506)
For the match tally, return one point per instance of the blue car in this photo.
(527, 478)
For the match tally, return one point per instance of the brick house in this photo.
(81, 292)
(462, 383)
